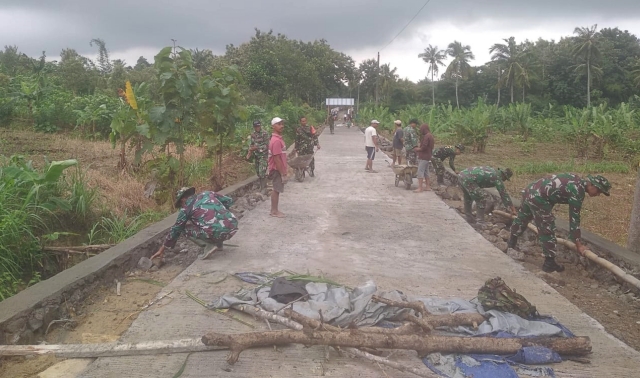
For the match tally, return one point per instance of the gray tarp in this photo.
(342, 307)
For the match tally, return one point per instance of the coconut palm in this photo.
(525, 73)
(433, 57)
(508, 56)
(586, 47)
(459, 67)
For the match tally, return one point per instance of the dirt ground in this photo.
(103, 317)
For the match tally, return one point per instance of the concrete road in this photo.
(352, 226)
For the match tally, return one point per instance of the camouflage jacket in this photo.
(260, 139)
(209, 212)
(446, 152)
(305, 140)
(487, 177)
(563, 188)
(411, 139)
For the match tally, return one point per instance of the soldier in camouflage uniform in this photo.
(306, 139)
(473, 180)
(204, 218)
(259, 147)
(411, 142)
(538, 200)
(331, 121)
(442, 153)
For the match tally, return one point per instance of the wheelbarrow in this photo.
(405, 173)
(300, 165)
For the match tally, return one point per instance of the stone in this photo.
(184, 250)
(516, 255)
(594, 286)
(154, 268)
(551, 278)
(491, 238)
(502, 245)
(36, 319)
(504, 234)
(145, 263)
(16, 326)
(494, 231)
(500, 225)
(613, 289)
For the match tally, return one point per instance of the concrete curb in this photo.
(603, 247)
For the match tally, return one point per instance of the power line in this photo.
(412, 18)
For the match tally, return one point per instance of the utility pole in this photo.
(378, 80)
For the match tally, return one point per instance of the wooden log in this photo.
(416, 306)
(116, 349)
(262, 314)
(616, 270)
(423, 344)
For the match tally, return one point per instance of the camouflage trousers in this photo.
(543, 219)
(472, 192)
(260, 161)
(197, 234)
(439, 168)
(412, 157)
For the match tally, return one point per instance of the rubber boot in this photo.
(441, 181)
(550, 265)
(468, 214)
(489, 207)
(479, 216)
(513, 240)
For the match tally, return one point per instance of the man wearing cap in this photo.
(474, 180)
(277, 164)
(537, 204)
(443, 153)
(306, 140)
(411, 142)
(204, 218)
(398, 143)
(371, 144)
(259, 147)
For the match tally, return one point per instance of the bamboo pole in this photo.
(616, 270)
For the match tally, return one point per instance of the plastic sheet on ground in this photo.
(342, 307)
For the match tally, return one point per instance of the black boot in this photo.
(441, 180)
(550, 265)
(263, 183)
(513, 240)
(467, 213)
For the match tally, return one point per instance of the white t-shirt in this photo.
(369, 133)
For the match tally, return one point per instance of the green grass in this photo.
(572, 166)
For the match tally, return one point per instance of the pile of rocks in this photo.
(249, 202)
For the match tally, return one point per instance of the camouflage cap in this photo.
(460, 146)
(506, 173)
(601, 183)
(186, 191)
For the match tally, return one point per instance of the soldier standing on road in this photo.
(474, 180)
(306, 139)
(440, 155)
(411, 142)
(260, 149)
(398, 144)
(204, 218)
(331, 121)
(538, 201)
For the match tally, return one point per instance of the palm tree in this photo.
(586, 48)
(459, 66)
(433, 57)
(508, 55)
(525, 73)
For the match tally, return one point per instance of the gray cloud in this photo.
(347, 24)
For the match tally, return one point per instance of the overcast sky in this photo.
(359, 28)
